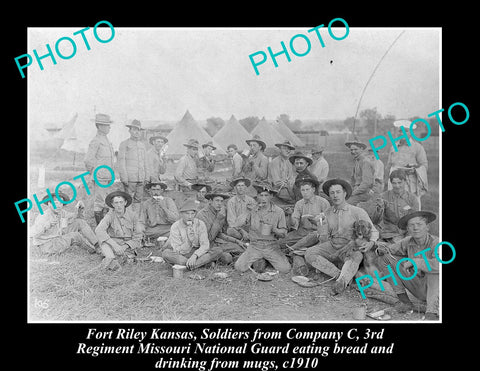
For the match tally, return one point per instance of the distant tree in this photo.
(249, 122)
(371, 118)
(214, 124)
(348, 123)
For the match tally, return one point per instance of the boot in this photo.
(404, 304)
(300, 268)
(259, 265)
(225, 258)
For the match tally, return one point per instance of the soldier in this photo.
(266, 225)
(301, 163)
(132, 164)
(100, 152)
(188, 242)
(363, 175)
(120, 232)
(335, 231)
(57, 229)
(256, 165)
(424, 285)
(159, 212)
(319, 166)
(155, 158)
(413, 159)
(237, 160)
(206, 163)
(215, 219)
(237, 206)
(281, 172)
(186, 172)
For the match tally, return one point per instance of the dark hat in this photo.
(62, 195)
(318, 150)
(234, 182)
(199, 186)
(346, 185)
(135, 124)
(192, 143)
(402, 223)
(286, 143)
(264, 186)
(152, 139)
(357, 143)
(125, 195)
(257, 139)
(209, 144)
(101, 118)
(151, 184)
(307, 178)
(189, 205)
(300, 154)
(211, 196)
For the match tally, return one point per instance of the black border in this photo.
(54, 345)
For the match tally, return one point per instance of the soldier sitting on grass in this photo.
(120, 232)
(58, 229)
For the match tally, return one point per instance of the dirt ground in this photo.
(72, 287)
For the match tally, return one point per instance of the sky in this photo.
(159, 73)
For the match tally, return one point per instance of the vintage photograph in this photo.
(287, 174)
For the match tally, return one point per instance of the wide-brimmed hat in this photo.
(209, 144)
(125, 195)
(286, 143)
(155, 137)
(192, 143)
(102, 118)
(264, 186)
(211, 196)
(307, 178)
(404, 123)
(234, 182)
(346, 186)
(199, 186)
(357, 143)
(257, 139)
(189, 205)
(318, 150)
(428, 215)
(135, 124)
(151, 184)
(300, 154)
(62, 195)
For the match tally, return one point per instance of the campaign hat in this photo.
(135, 124)
(125, 195)
(256, 138)
(62, 195)
(189, 205)
(264, 186)
(346, 186)
(357, 143)
(286, 143)
(234, 182)
(151, 184)
(300, 154)
(428, 215)
(192, 143)
(155, 137)
(209, 144)
(102, 118)
(199, 186)
(211, 196)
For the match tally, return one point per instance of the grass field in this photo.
(71, 287)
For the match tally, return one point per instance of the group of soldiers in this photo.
(285, 212)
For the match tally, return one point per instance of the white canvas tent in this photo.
(232, 133)
(187, 128)
(283, 129)
(267, 133)
(79, 131)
